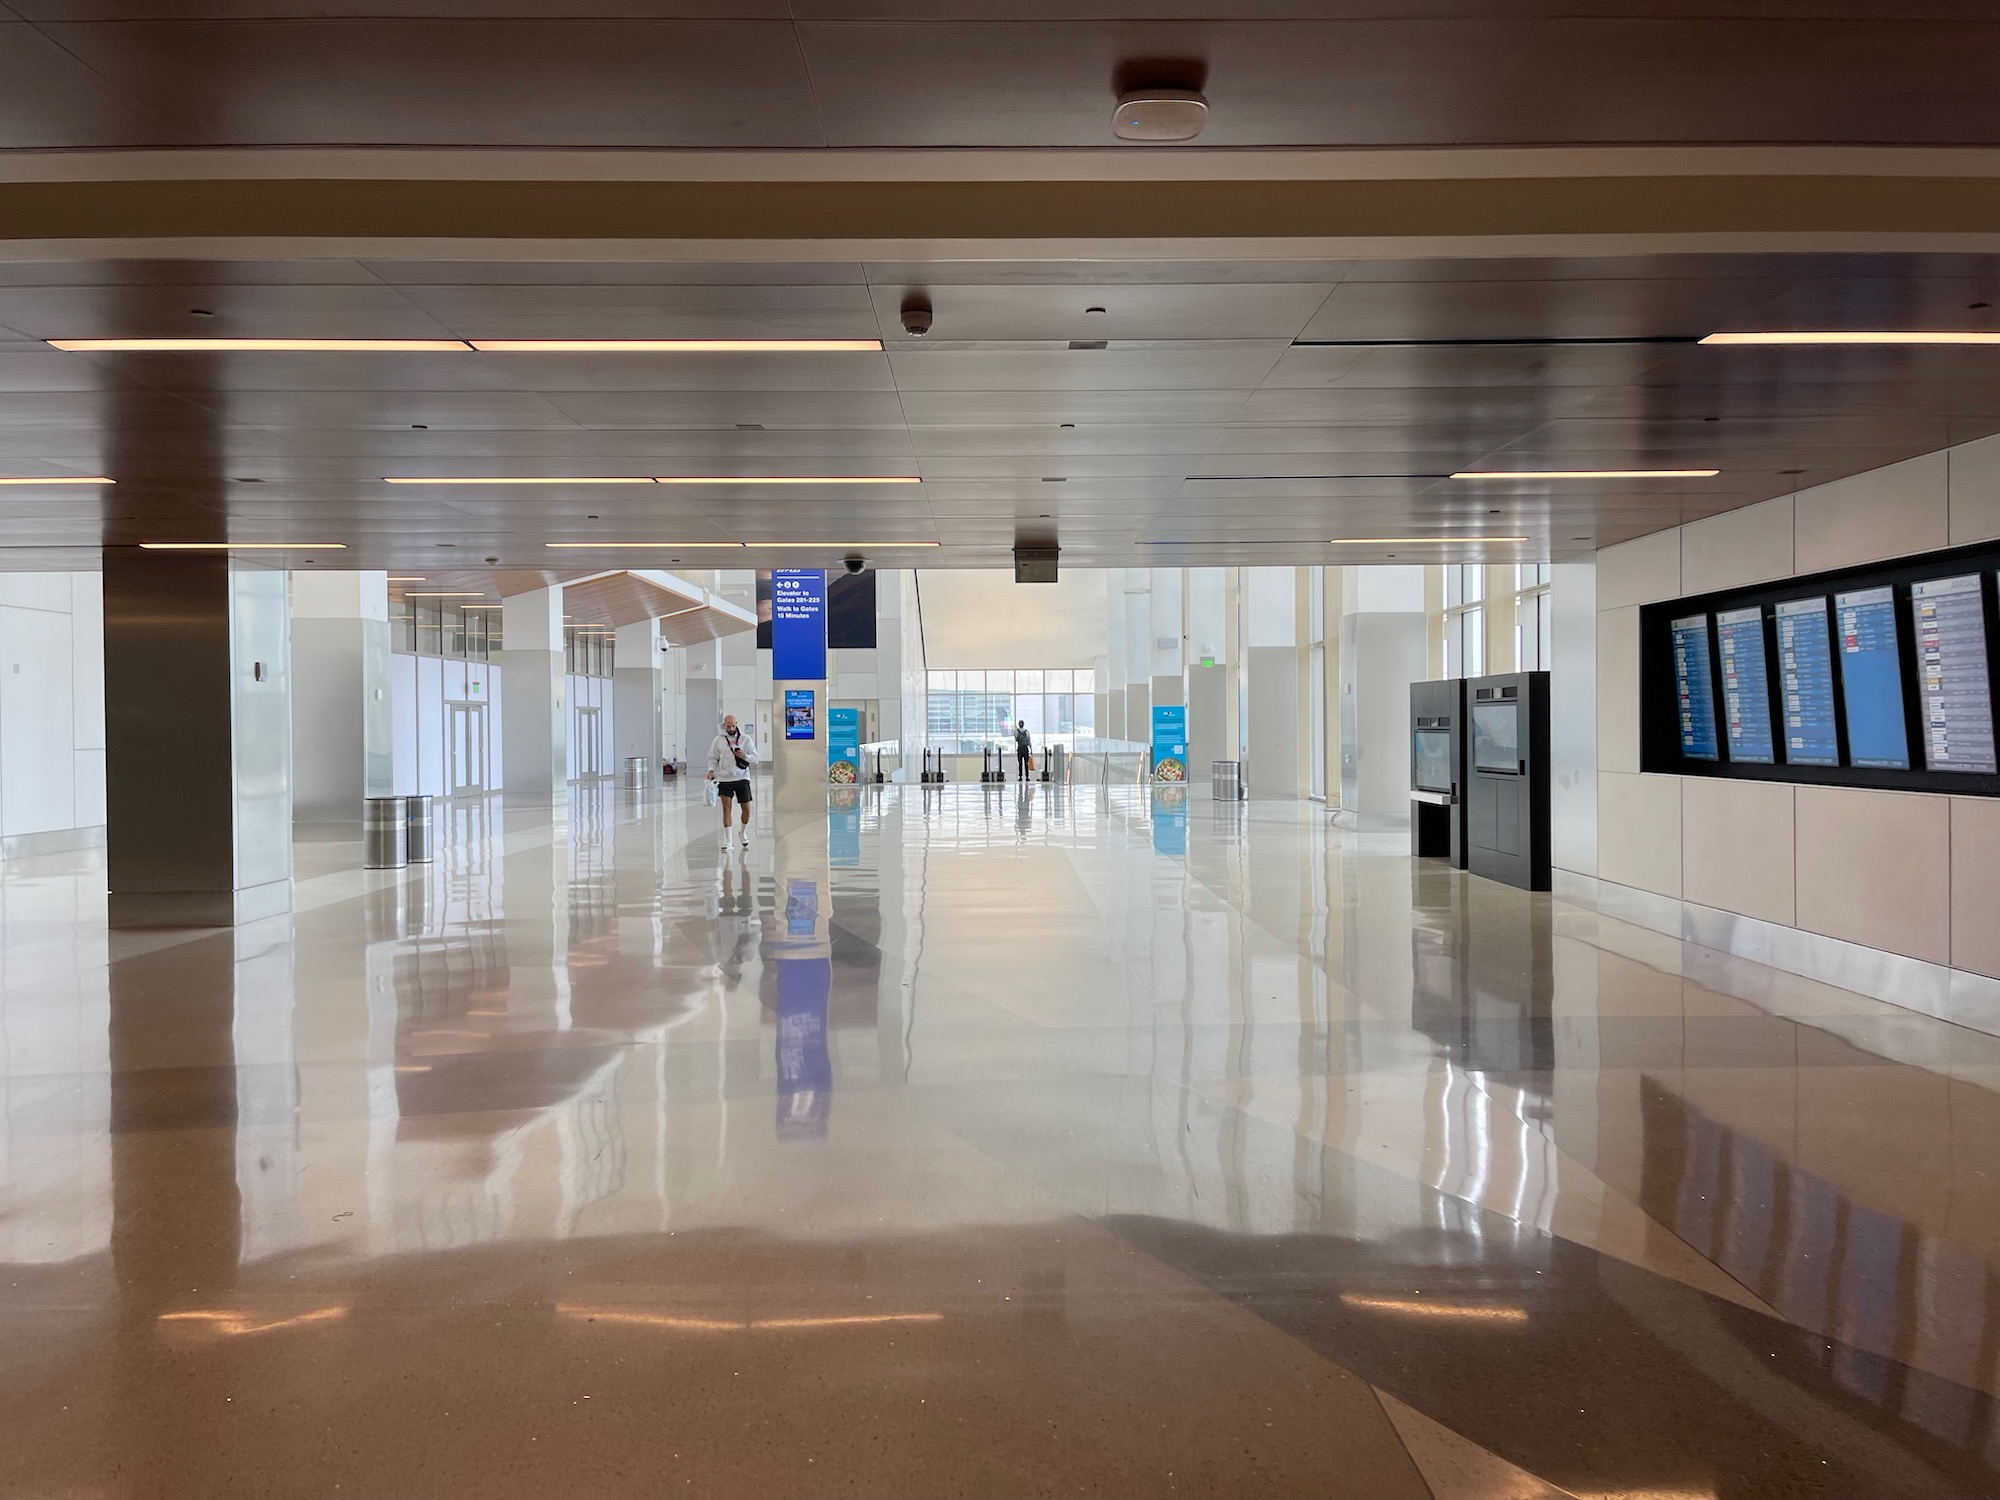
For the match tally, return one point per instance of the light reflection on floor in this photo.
(994, 1140)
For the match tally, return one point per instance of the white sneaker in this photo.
(745, 844)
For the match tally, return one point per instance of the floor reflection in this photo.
(1162, 1133)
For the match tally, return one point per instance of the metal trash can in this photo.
(418, 843)
(385, 833)
(1058, 763)
(1225, 780)
(635, 773)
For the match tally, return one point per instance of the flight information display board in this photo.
(1949, 617)
(1746, 685)
(1805, 681)
(1871, 680)
(1694, 682)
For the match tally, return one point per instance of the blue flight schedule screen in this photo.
(1805, 683)
(1694, 683)
(1949, 616)
(1871, 680)
(1746, 685)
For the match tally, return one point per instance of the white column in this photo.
(636, 716)
(343, 746)
(534, 718)
(1271, 666)
(1383, 634)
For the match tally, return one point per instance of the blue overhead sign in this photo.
(798, 625)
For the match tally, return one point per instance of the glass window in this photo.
(972, 682)
(943, 682)
(430, 632)
(1000, 682)
(1083, 679)
(1027, 680)
(1057, 681)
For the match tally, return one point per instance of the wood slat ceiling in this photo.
(1202, 431)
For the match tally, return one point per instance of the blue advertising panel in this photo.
(798, 625)
(1170, 742)
(843, 746)
(798, 713)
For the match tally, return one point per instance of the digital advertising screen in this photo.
(799, 714)
(1805, 683)
(1871, 679)
(850, 611)
(798, 625)
(1746, 686)
(1954, 691)
(1694, 689)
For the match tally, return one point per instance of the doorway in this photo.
(465, 742)
(589, 764)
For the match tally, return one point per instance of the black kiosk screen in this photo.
(1496, 737)
(1432, 760)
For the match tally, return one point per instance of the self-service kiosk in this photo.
(1507, 829)
(1437, 770)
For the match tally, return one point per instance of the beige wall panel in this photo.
(1975, 884)
(1639, 831)
(1975, 492)
(1640, 571)
(1736, 846)
(1751, 545)
(1875, 868)
(1618, 689)
(1881, 514)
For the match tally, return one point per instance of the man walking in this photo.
(729, 761)
(1024, 748)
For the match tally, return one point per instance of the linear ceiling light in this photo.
(1843, 336)
(595, 547)
(83, 479)
(463, 346)
(1526, 474)
(261, 346)
(444, 594)
(519, 479)
(676, 346)
(1411, 541)
(244, 546)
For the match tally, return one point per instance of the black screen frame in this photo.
(1659, 713)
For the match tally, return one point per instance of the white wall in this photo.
(51, 705)
(1905, 873)
(978, 618)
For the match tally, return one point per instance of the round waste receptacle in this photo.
(418, 822)
(635, 772)
(385, 833)
(1225, 780)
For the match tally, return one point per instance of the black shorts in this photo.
(740, 790)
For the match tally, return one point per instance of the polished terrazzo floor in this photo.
(971, 1142)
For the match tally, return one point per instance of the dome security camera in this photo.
(916, 317)
(855, 563)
